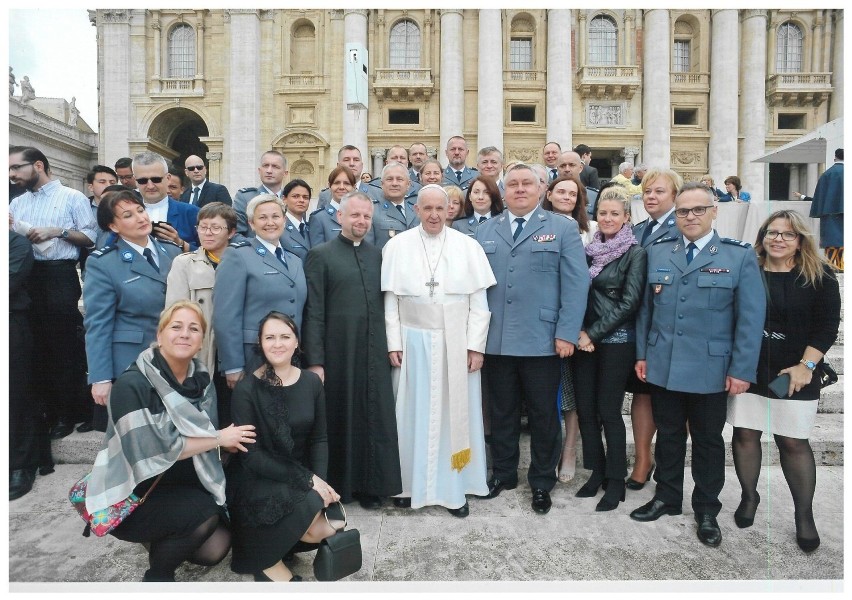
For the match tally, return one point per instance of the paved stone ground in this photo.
(501, 542)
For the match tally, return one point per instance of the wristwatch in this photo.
(64, 234)
(809, 364)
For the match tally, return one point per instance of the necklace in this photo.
(432, 284)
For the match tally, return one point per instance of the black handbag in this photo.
(827, 375)
(339, 555)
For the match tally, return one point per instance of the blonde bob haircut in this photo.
(169, 312)
(675, 181)
(263, 199)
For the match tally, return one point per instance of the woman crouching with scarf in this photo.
(162, 411)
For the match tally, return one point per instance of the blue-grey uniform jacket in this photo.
(250, 282)
(542, 283)
(241, 200)
(295, 242)
(468, 175)
(701, 322)
(468, 225)
(387, 221)
(124, 296)
(666, 229)
(324, 226)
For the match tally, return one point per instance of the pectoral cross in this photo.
(432, 284)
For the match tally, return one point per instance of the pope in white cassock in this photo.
(436, 314)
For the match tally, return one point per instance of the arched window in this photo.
(789, 53)
(303, 49)
(681, 52)
(603, 41)
(182, 51)
(405, 45)
(520, 43)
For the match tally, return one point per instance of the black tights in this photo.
(207, 545)
(798, 465)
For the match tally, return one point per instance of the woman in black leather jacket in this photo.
(617, 266)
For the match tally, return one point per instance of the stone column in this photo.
(836, 102)
(490, 79)
(811, 178)
(629, 37)
(242, 143)
(378, 157)
(753, 103)
(656, 106)
(381, 61)
(794, 181)
(724, 90)
(560, 76)
(115, 85)
(452, 78)
(816, 43)
(355, 121)
(581, 38)
(426, 47)
(199, 45)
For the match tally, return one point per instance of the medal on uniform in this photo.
(391, 233)
(658, 288)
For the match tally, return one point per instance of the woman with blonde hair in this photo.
(802, 319)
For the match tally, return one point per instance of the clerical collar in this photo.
(346, 240)
(268, 246)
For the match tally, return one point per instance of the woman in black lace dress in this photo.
(276, 491)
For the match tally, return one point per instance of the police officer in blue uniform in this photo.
(698, 336)
(296, 236)
(658, 195)
(483, 201)
(273, 171)
(457, 172)
(255, 276)
(394, 214)
(537, 310)
(124, 291)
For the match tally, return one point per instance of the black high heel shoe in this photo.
(740, 518)
(807, 544)
(635, 485)
(590, 488)
(261, 576)
(609, 502)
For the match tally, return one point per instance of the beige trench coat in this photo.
(191, 278)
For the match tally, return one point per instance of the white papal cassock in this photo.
(438, 403)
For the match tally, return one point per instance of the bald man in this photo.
(201, 191)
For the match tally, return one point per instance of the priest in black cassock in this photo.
(344, 342)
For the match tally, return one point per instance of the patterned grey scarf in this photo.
(142, 445)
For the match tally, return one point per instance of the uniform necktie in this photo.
(195, 193)
(401, 210)
(690, 252)
(458, 175)
(149, 256)
(552, 174)
(279, 252)
(481, 219)
(647, 231)
(520, 221)
(302, 229)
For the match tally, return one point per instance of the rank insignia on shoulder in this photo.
(667, 238)
(127, 256)
(734, 242)
(246, 189)
(100, 252)
(240, 244)
(169, 242)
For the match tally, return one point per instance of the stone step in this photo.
(826, 441)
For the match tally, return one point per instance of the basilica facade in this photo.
(701, 91)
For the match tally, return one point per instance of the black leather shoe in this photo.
(632, 484)
(461, 512)
(46, 470)
(370, 502)
(20, 483)
(85, 427)
(61, 429)
(541, 501)
(495, 486)
(708, 530)
(261, 576)
(402, 502)
(653, 510)
(808, 545)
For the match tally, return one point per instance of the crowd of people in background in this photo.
(372, 347)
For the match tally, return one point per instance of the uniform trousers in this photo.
(706, 414)
(533, 381)
(25, 427)
(54, 290)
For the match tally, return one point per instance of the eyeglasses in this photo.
(125, 177)
(145, 180)
(698, 211)
(216, 229)
(787, 236)
(195, 168)
(19, 167)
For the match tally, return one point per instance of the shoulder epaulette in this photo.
(669, 238)
(734, 242)
(239, 244)
(318, 210)
(105, 250)
(170, 242)
(246, 189)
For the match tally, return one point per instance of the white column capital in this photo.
(355, 11)
(446, 12)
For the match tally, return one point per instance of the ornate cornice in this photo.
(115, 16)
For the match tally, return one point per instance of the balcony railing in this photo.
(299, 83)
(178, 86)
(612, 81)
(403, 83)
(690, 81)
(798, 89)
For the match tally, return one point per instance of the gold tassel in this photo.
(460, 459)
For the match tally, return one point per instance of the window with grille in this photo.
(681, 56)
(789, 53)
(603, 41)
(405, 45)
(520, 54)
(182, 51)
